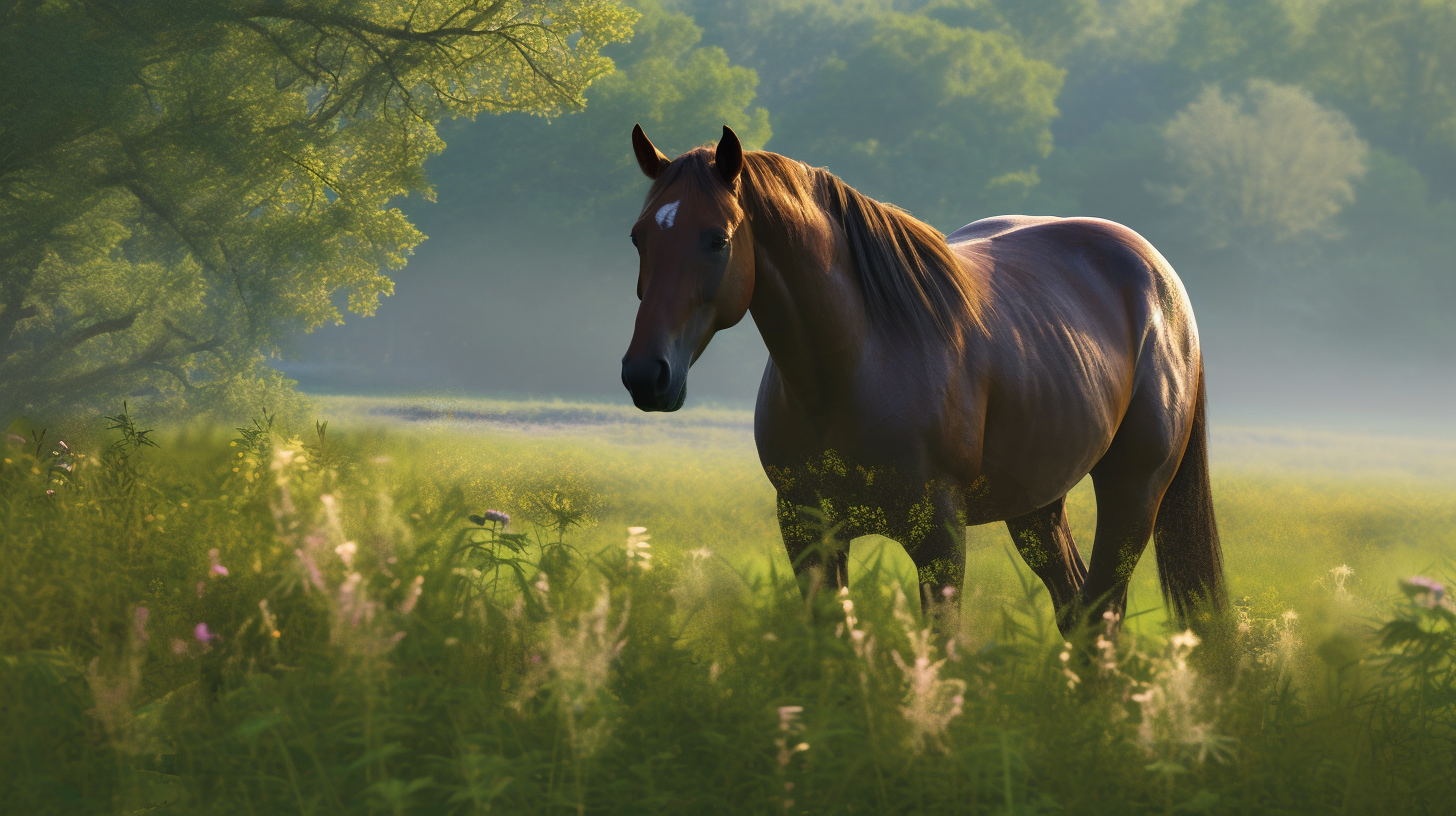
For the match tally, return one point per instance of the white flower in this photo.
(346, 552)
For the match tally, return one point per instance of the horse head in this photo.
(695, 265)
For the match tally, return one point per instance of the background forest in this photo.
(189, 190)
(1294, 159)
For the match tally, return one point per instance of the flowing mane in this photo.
(914, 285)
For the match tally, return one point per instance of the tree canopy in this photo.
(186, 184)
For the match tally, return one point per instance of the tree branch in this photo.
(115, 324)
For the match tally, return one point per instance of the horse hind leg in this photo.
(1129, 481)
(1044, 539)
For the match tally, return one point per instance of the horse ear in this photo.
(649, 158)
(729, 158)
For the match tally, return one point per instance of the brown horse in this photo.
(919, 382)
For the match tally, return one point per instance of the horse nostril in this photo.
(664, 376)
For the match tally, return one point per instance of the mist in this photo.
(1324, 303)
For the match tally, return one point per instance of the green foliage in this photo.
(1388, 64)
(1284, 167)
(947, 101)
(185, 185)
(578, 170)
(352, 643)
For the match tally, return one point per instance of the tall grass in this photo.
(251, 623)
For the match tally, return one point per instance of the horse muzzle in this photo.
(654, 383)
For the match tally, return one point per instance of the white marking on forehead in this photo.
(667, 214)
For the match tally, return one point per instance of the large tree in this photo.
(186, 184)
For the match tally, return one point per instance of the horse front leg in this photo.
(935, 540)
(818, 551)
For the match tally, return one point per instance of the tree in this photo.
(186, 184)
(947, 122)
(1283, 167)
(1392, 65)
(578, 169)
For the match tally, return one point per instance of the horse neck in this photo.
(810, 309)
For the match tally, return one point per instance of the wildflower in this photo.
(701, 554)
(1426, 592)
(1170, 720)
(346, 553)
(492, 516)
(200, 587)
(1187, 640)
(638, 550)
(931, 701)
(311, 570)
(139, 622)
(179, 646)
(789, 725)
(203, 635)
(352, 602)
(217, 568)
(413, 596)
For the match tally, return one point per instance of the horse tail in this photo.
(1185, 536)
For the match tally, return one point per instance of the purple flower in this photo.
(202, 633)
(493, 516)
(1427, 592)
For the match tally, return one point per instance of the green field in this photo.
(325, 631)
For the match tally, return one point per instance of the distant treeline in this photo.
(1306, 147)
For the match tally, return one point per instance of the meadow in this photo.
(328, 620)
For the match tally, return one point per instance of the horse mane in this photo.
(914, 285)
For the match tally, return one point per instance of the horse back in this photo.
(1083, 316)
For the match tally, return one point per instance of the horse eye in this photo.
(715, 241)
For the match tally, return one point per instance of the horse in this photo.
(920, 382)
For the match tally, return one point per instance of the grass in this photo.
(256, 623)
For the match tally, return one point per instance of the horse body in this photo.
(1074, 353)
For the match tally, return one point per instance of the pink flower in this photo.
(217, 567)
(200, 587)
(413, 596)
(201, 632)
(315, 578)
